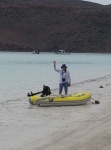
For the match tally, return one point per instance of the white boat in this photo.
(62, 52)
(35, 52)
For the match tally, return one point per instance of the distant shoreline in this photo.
(58, 54)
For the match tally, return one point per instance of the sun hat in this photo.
(64, 65)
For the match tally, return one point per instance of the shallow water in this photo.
(21, 72)
(22, 124)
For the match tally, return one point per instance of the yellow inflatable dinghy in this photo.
(80, 98)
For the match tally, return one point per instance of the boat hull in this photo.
(66, 53)
(80, 98)
(63, 52)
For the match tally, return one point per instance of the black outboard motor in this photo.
(46, 91)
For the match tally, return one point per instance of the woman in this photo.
(65, 79)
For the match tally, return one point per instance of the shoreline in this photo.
(71, 89)
(54, 52)
(70, 127)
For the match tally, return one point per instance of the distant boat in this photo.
(62, 52)
(35, 52)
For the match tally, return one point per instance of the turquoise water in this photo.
(21, 72)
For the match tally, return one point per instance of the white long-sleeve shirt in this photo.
(63, 74)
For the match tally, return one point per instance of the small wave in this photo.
(87, 81)
(40, 62)
(13, 100)
(92, 80)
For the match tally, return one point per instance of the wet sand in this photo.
(26, 127)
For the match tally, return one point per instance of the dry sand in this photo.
(88, 127)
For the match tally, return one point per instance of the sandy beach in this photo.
(26, 127)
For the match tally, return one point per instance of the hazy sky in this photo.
(104, 2)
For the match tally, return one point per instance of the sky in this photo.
(103, 2)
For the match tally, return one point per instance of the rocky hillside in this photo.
(49, 25)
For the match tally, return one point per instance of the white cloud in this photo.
(104, 2)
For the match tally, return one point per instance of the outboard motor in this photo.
(46, 91)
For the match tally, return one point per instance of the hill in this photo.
(49, 25)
